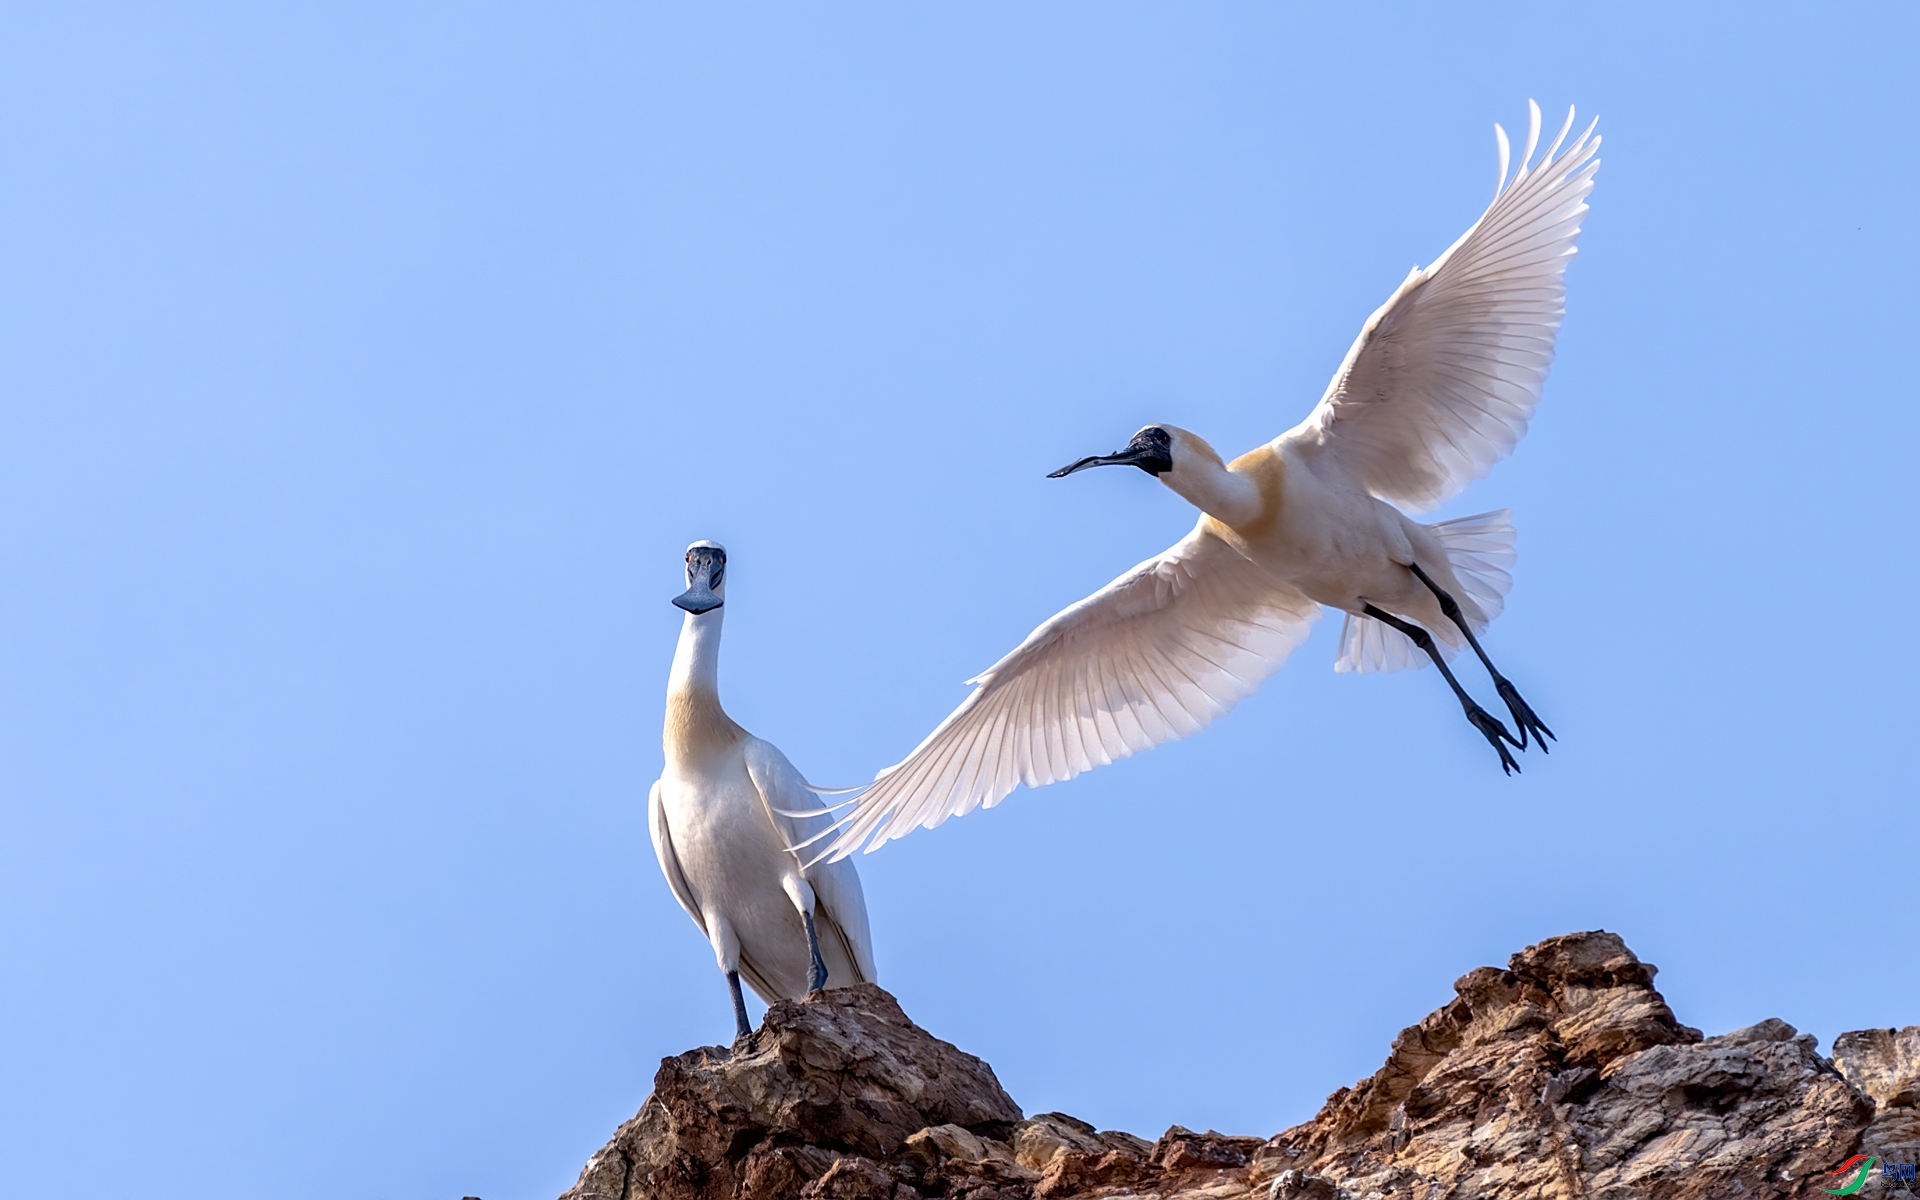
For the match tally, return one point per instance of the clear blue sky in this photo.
(364, 371)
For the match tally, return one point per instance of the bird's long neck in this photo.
(1227, 494)
(696, 724)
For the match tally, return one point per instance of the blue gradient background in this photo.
(365, 369)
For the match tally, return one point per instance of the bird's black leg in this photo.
(743, 1028)
(1488, 725)
(817, 969)
(1523, 714)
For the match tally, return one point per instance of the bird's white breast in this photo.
(719, 822)
(1326, 535)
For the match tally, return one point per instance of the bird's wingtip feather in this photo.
(1533, 134)
(1561, 137)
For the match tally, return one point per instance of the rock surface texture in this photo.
(1564, 1075)
(1884, 1065)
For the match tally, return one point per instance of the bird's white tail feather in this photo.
(1367, 646)
(1480, 550)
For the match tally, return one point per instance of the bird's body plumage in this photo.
(1329, 539)
(1438, 387)
(720, 821)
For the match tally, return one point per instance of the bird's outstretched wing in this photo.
(1155, 655)
(1443, 378)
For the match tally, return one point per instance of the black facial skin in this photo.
(1151, 450)
(706, 567)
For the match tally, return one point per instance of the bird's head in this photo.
(706, 578)
(1157, 450)
(1189, 467)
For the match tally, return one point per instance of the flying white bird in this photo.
(1436, 389)
(723, 816)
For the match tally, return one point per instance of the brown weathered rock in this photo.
(1884, 1066)
(840, 1074)
(852, 1178)
(1567, 1075)
(1080, 1172)
(1564, 1075)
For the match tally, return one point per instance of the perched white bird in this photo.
(1437, 388)
(722, 816)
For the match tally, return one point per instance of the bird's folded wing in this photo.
(1444, 377)
(836, 885)
(669, 861)
(1155, 655)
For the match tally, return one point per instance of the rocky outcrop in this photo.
(1563, 1075)
(824, 1093)
(1567, 1075)
(1884, 1066)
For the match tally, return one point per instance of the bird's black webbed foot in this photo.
(1524, 717)
(1496, 733)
